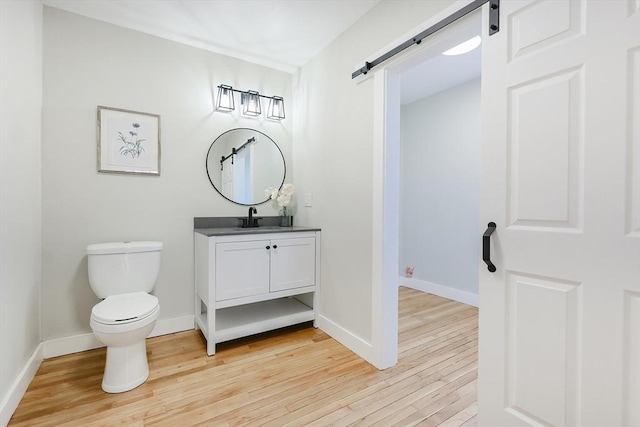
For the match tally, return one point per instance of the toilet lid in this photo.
(124, 308)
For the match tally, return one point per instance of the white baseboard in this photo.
(173, 325)
(440, 290)
(346, 338)
(84, 342)
(19, 387)
(68, 345)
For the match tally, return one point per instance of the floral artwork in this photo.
(128, 141)
(134, 146)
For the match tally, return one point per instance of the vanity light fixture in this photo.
(250, 101)
(464, 47)
(276, 108)
(225, 98)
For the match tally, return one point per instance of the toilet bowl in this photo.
(123, 273)
(123, 322)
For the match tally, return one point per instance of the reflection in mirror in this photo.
(243, 163)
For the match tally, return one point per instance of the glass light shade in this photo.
(251, 103)
(225, 100)
(276, 108)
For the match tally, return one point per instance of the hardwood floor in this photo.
(295, 377)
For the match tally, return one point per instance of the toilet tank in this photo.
(123, 267)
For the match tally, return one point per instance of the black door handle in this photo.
(486, 246)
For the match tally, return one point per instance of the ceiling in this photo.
(281, 34)
(440, 72)
(437, 74)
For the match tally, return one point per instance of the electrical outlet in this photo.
(307, 200)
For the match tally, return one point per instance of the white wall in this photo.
(20, 189)
(333, 156)
(440, 194)
(89, 63)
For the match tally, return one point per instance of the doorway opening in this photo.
(439, 215)
(440, 164)
(421, 67)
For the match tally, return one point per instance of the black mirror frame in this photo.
(206, 164)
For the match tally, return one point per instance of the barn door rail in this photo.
(494, 27)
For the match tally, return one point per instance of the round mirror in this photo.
(243, 163)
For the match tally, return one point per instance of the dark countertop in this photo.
(237, 231)
(230, 226)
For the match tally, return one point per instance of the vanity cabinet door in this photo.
(242, 269)
(293, 263)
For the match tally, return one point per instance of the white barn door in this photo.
(560, 318)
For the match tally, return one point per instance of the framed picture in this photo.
(128, 141)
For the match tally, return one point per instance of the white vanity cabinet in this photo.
(252, 283)
(241, 269)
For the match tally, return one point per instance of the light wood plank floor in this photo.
(297, 377)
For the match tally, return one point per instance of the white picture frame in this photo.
(128, 141)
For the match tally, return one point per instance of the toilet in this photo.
(123, 274)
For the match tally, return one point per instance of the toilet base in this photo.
(126, 367)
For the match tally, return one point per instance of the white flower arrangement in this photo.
(282, 196)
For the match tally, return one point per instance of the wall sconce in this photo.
(250, 101)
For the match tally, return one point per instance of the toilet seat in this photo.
(127, 308)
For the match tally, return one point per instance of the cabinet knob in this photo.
(268, 247)
(275, 246)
